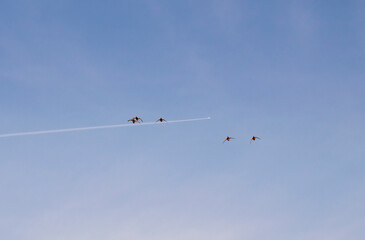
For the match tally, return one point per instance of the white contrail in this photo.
(96, 127)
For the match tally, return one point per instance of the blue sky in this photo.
(291, 72)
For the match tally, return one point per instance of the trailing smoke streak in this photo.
(96, 127)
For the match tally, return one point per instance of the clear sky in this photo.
(290, 72)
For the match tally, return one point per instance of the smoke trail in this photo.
(96, 127)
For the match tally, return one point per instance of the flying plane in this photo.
(161, 120)
(138, 118)
(228, 139)
(254, 138)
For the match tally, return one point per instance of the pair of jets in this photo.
(137, 119)
(252, 139)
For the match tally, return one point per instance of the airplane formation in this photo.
(138, 119)
(135, 119)
(252, 139)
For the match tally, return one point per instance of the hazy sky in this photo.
(291, 72)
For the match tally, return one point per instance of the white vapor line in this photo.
(97, 127)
